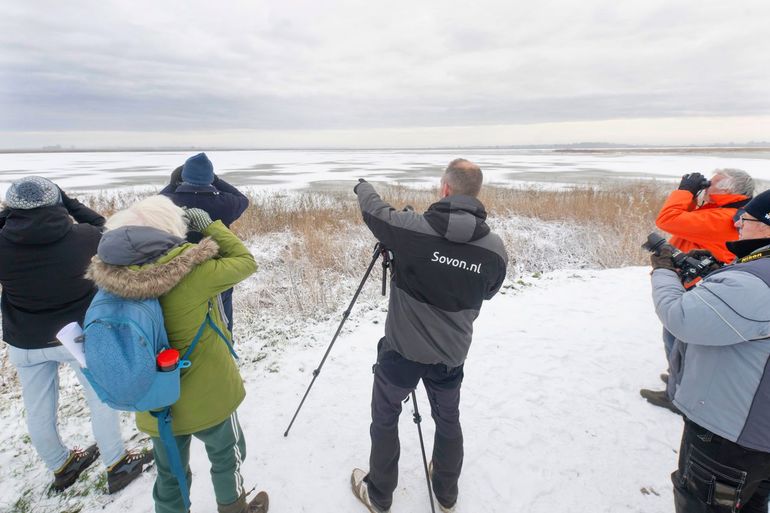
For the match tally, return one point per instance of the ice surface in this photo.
(291, 169)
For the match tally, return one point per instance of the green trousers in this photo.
(226, 449)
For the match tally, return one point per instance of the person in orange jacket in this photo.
(701, 214)
(709, 222)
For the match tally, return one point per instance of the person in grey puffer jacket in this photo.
(723, 378)
(446, 262)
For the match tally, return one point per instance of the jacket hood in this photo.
(37, 226)
(135, 245)
(724, 200)
(197, 188)
(458, 218)
(164, 262)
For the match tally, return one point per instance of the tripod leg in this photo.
(417, 420)
(345, 315)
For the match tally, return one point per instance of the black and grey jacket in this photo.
(446, 263)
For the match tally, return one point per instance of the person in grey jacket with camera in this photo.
(723, 388)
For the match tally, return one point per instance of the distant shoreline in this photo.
(564, 149)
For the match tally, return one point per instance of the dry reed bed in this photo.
(613, 219)
(312, 247)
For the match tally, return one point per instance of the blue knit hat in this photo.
(198, 170)
(32, 192)
(759, 207)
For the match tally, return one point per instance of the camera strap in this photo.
(754, 256)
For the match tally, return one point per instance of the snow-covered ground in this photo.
(291, 169)
(551, 412)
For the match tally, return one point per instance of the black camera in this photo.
(690, 268)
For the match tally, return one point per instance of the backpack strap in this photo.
(208, 321)
(164, 415)
(172, 452)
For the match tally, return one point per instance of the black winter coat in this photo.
(225, 204)
(43, 259)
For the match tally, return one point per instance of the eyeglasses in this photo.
(742, 220)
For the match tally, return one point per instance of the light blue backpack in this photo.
(122, 338)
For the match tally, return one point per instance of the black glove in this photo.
(176, 177)
(80, 212)
(360, 181)
(701, 254)
(693, 182)
(663, 260)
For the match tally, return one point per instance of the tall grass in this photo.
(325, 243)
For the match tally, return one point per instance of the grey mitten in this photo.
(197, 219)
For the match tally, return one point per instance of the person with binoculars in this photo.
(47, 239)
(700, 215)
(722, 370)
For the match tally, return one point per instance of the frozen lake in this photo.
(296, 169)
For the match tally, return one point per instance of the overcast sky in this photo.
(336, 72)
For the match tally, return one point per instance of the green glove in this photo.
(663, 259)
(197, 219)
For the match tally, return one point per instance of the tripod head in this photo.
(387, 260)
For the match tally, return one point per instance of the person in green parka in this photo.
(143, 255)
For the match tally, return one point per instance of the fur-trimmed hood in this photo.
(153, 279)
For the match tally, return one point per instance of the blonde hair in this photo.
(156, 212)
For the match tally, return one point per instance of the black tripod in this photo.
(379, 250)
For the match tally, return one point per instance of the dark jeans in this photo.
(719, 476)
(394, 379)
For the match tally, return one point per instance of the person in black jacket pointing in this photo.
(446, 262)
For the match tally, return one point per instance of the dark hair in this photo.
(463, 177)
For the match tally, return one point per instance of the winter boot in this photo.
(77, 462)
(361, 490)
(258, 504)
(659, 398)
(128, 468)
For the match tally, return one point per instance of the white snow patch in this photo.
(552, 417)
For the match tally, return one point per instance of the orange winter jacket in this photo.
(706, 227)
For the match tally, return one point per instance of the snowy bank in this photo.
(552, 417)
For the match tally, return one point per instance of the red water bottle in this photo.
(168, 360)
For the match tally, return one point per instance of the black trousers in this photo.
(716, 475)
(394, 379)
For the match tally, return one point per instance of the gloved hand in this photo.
(176, 177)
(197, 219)
(700, 254)
(693, 182)
(69, 203)
(360, 181)
(663, 260)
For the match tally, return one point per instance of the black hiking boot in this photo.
(258, 504)
(659, 398)
(127, 469)
(77, 462)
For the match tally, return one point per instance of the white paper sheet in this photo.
(69, 337)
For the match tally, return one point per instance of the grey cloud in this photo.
(88, 65)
